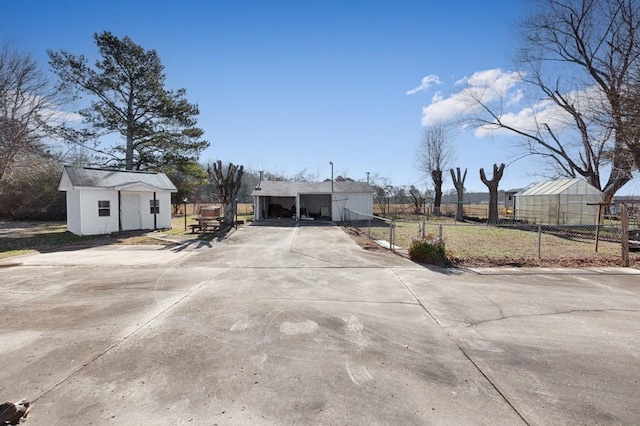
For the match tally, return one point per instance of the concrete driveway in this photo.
(299, 325)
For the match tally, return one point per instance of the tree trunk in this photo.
(493, 191)
(458, 182)
(129, 150)
(226, 187)
(436, 175)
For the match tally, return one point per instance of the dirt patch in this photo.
(363, 240)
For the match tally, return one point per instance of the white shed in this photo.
(101, 201)
(559, 202)
(311, 200)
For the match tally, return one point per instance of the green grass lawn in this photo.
(468, 241)
(37, 237)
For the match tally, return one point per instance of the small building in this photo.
(311, 200)
(510, 199)
(559, 202)
(101, 201)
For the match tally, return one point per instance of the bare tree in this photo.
(458, 182)
(579, 58)
(26, 109)
(493, 191)
(434, 154)
(226, 186)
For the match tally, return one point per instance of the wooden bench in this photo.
(210, 226)
(195, 227)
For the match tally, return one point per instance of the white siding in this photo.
(74, 220)
(163, 218)
(359, 202)
(92, 224)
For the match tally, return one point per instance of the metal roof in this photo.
(559, 186)
(87, 177)
(291, 189)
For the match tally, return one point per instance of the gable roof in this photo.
(559, 186)
(87, 177)
(291, 189)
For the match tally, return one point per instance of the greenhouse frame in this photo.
(559, 202)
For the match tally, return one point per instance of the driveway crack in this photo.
(461, 349)
(121, 340)
(545, 314)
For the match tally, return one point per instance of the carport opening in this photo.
(315, 206)
(280, 208)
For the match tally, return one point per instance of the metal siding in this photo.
(359, 202)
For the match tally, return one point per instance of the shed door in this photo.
(130, 211)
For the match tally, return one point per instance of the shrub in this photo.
(428, 250)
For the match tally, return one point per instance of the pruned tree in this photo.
(226, 185)
(493, 191)
(458, 183)
(434, 155)
(417, 198)
(128, 97)
(27, 107)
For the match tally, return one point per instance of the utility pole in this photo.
(331, 162)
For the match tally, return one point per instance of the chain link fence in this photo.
(379, 229)
(479, 243)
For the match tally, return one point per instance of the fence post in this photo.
(391, 236)
(539, 241)
(600, 208)
(624, 237)
(440, 232)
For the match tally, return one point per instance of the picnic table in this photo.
(206, 223)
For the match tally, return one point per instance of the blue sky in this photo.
(291, 85)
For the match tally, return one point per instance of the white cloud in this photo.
(425, 83)
(445, 109)
(485, 86)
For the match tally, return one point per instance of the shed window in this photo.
(104, 208)
(154, 206)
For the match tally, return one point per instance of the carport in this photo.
(311, 200)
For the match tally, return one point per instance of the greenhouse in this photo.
(559, 202)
